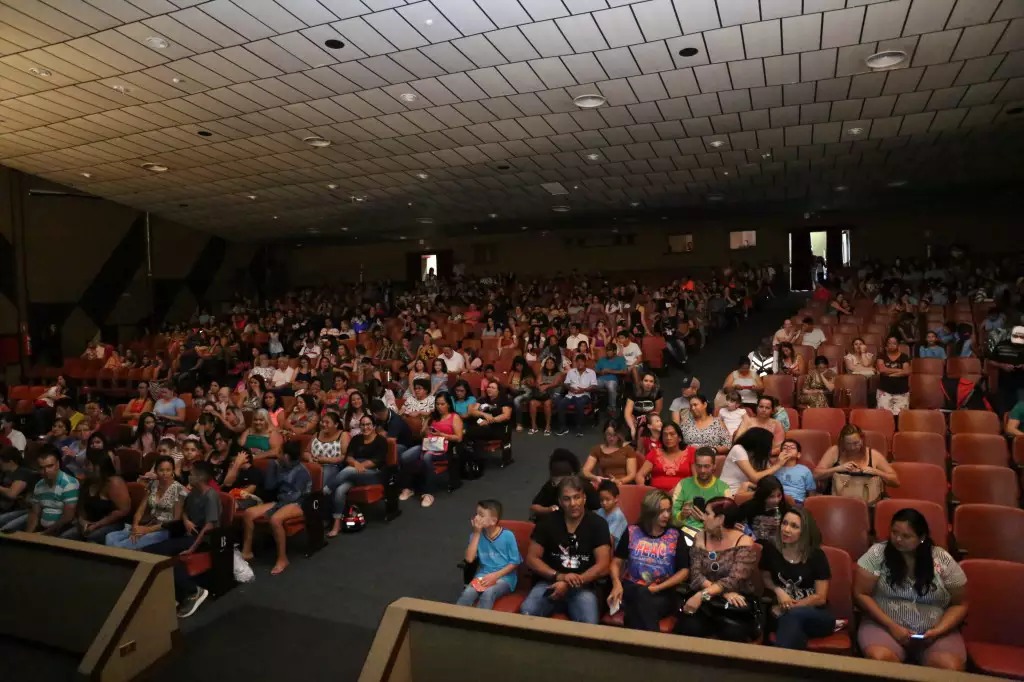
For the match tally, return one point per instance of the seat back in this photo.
(974, 421)
(938, 526)
(934, 366)
(523, 530)
(874, 420)
(979, 448)
(843, 522)
(876, 441)
(986, 484)
(136, 494)
(926, 392)
(997, 615)
(840, 589)
(813, 443)
(922, 420)
(794, 418)
(130, 461)
(961, 367)
(631, 497)
(316, 474)
(851, 391)
(989, 531)
(781, 386)
(227, 510)
(919, 446)
(919, 482)
(828, 419)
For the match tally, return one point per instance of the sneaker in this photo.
(427, 500)
(405, 494)
(547, 432)
(191, 604)
(579, 434)
(563, 432)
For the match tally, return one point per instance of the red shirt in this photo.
(666, 474)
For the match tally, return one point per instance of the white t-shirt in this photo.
(577, 379)
(282, 377)
(631, 352)
(732, 475)
(814, 338)
(573, 342)
(17, 439)
(456, 363)
(732, 418)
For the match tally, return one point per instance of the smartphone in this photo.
(917, 636)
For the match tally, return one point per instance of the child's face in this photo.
(486, 518)
(608, 501)
(733, 404)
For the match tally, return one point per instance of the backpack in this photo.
(965, 394)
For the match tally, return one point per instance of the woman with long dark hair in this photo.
(104, 501)
(764, 510)
(750, 460)
(913, 596)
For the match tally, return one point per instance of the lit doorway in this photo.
(813, 253)
(428, 266)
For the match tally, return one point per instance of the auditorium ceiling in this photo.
(258, 119)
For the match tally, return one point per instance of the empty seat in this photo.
(922, 420)
(926, 392)
(828, 419)
(985, 484)
(979, 448)
(851, 391)
(994, 632)
(928, 366)
(919, 446)
(843, 522)
(874, 420)
(813, 443)
(919, 482)
(974, 421)
(989, 531)
(876, 441)
(781, 386)
(961, 367)
(935, 514)
(631, 497)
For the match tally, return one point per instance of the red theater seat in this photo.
(989, 531)
(994, 629)
(843, 522)
(510, 603)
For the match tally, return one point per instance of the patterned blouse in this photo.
(161, 507)
(732, 568)
(320, 449)
(901, 602)
(713, 435)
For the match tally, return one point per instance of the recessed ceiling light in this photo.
(725, 172)
(250, 196)
(178, 80)
(409, 204)
(422, 176)
(886, 59)
(334, 43)
(331, 185)
(425, 221)
(897, 183)
(123, 89)
(344, 229)
(634, 204)
(766, 155)
(204, 133)
(492, 215)
(42, 73)
(409, 96)
(524, 227)
(593, 157)
(716, 143)
(315, 141)
(275, 217)
(155, 167)
(855, 131)
(428, 22)
(589, 101)
(688, 52)
(86, 175)
(359, 199)
(401, 236)
(715, 197)
(156, 42)
(840, 188)
(559, 209)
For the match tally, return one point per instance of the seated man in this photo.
(569, 552)
(631, 351)
(65, 408)
(54, 501)
(561, 464)
(13, 435)
(703, 484)
(578, 384)
(610, 370)
(16, 480)
(455, 362)
(812, 336)
(572, 342)
(681, 405)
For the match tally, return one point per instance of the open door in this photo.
(801, 260)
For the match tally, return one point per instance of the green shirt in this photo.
(688, 489)
(1018, 412)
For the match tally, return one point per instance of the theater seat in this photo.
(631, 497)
(974, 421)
(874, 420)
(985, 484)
(813, 443)
(311, 520)
(935, 514)
(994, 629)
(368, 495)
(828, 419)
(218, 562)
(919, 446)
(843, 522)
(979, 448)
(989, 531)
(781, 386)
(922, 420)
(510, 603)
(919, 482)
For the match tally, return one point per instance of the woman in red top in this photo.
(668, 464)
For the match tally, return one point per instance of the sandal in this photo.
(547, 432)
(519, 427)
(405, 494)
(426, 501)
(533, 432)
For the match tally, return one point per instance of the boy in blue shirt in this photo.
(498, 553)
(608, 491)
(931, 347)
(796, 479)
(610, 369)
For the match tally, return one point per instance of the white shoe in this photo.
(405, 494)
(426, 501)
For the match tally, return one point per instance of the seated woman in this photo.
(274, 411)
(147, 434)
(490, 419)
(303, 419)
(764, 418)
(668, 464)
(650, 436)
(548, 383)
(364, 465)
(722, 563)
(649, 563)
(852, 458)
(442, 431)
(326, 447)
(251, 399)
(643, 401)
(614, 459)
(750, 460)
(103, 502)
(375, 390)
(164, 500)
(795, 569)
(819, 384)
(356, 409)
(746, 381)
(859, 360)
(261, 439)
(138, 405)
(521, 388)
(912, 594)
(289, 483)
(463, 397)
(763, 511)
(438, 376)
(701, 429)
(789, 362)
(840, 306)
(169, 408)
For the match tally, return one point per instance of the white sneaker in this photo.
(405, 494)
(426, 501)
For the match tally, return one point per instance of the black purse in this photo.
(735, 623)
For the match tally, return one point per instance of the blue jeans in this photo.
(486, 598)
(13, 520)
(120, 538)
(418, 467)
(794, 628)
(580, 603)
(98, 535)
(579, 401)
(610, 384)
(345, 480)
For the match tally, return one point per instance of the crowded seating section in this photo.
(850, 489)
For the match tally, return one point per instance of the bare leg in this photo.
(277, 521)
(249, 526)
(533, 414)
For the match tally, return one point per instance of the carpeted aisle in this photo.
(318, 618)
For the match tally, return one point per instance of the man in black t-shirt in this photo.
(16, 482)
(561, 464)
(569, 552)
(1008, 358)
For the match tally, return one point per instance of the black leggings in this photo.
(642, 609)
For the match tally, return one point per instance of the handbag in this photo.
(741, 623)
(435, 445)
(865, 487)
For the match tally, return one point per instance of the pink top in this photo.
(666, 474)
(446, 425)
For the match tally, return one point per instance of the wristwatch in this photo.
(705, 596)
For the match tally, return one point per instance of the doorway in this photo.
(813, 253)
(428, 266)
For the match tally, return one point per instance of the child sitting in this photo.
(498, 555)
(796, 479)
(733, 412)
(608, 491)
